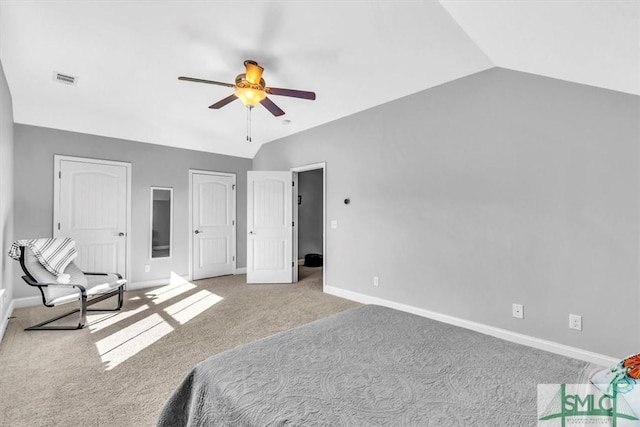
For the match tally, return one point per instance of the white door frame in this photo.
(57, 158)
(305, 168)
(170, 190)
(235, 216)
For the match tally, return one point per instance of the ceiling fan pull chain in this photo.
(249, 123)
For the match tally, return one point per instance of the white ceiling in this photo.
(353, 54)
(595, 43)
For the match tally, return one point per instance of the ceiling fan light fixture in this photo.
(251, 89)
(250, 97)
(249, 93)
(254, 72)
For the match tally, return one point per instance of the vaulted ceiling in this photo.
(353, 54)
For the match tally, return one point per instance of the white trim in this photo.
(5, 318)
(553, 347)
(136, 286)
(190, 230)
(235, 215)
(296, 226)
(57, 158)
(170, 246)
(241, 270)
(310, 167)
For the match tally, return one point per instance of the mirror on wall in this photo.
(161, 222)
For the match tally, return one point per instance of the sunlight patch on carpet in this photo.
(170, 291)
(131, 340)
(120, 346)
(190, 307)
(97, 322)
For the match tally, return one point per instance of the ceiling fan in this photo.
(251, 89)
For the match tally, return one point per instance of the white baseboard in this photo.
(135, 286)
(17, 303)
(5, 319)
(504, 334)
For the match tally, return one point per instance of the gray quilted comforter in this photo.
(369, 366)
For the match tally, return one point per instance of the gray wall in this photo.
(310, 213)
(152, 165)
(496, 188)
(6, 192)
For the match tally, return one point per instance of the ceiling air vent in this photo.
(65, 78)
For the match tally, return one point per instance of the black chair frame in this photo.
(84, 301)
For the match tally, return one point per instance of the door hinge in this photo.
(233, 258)
(293, 223)
(233, 186)
(59, 174)
(293, 183)
(58, 226)
(292, 263)
(233, 222)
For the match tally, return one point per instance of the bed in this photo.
(370, 366)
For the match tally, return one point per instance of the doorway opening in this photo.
(310, 217)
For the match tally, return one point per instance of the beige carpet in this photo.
(120, 370)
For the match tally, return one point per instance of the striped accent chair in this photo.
(87, 288)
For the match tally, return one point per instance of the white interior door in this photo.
(270, 227)
(92, 210)
(214, 225)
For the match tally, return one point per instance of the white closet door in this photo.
(92, 210)
(213, 220)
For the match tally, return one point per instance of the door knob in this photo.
(197, 231)
(121, 234)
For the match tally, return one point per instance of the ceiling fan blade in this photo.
(290, 92)
(273, 108)
(211, 82)
(223, 102)
(254, 72)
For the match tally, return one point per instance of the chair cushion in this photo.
(41, 274)
(56, 294)
(102, 284)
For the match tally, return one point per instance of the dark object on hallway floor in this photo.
(313, 260)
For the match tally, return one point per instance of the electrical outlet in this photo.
(517, 310)
(376, 281)
(575, 322)
(334, 223)
(147, 268)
